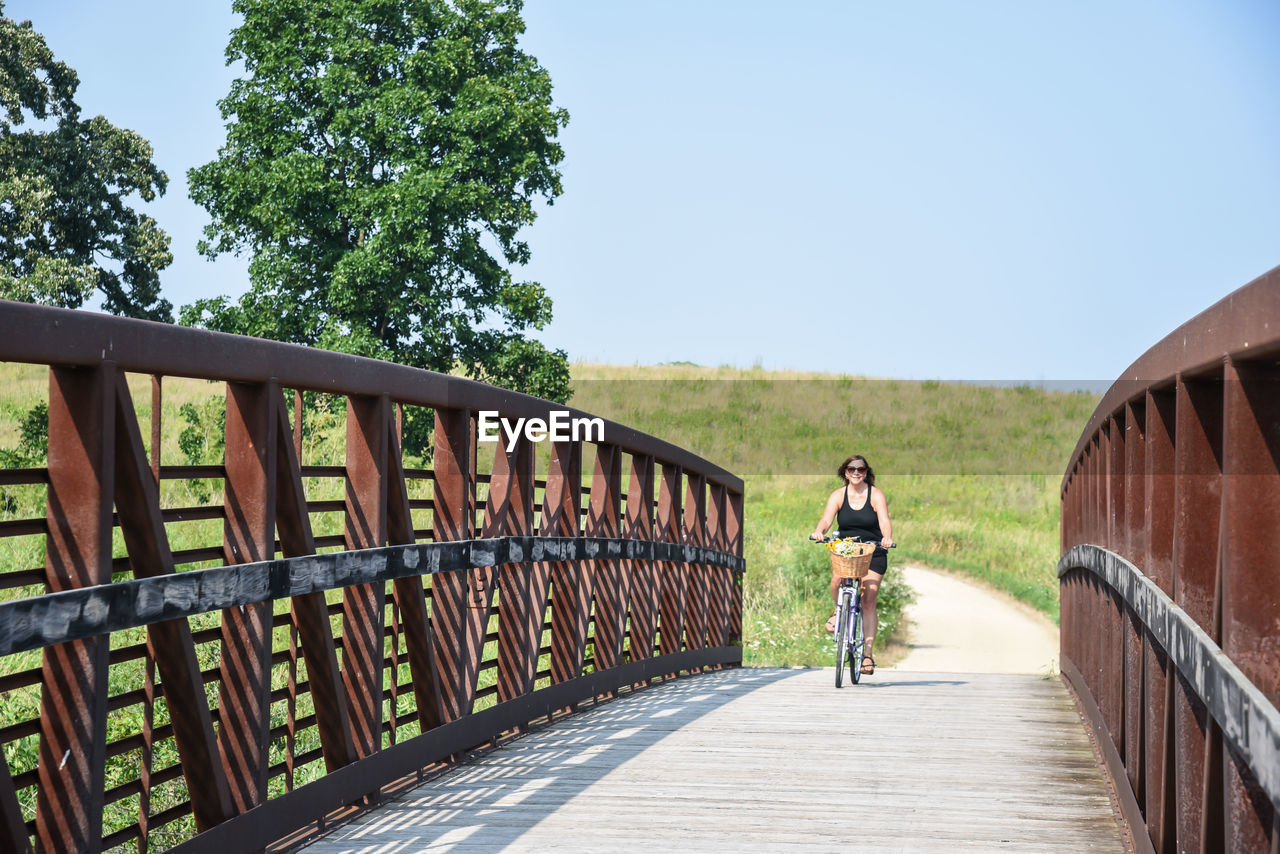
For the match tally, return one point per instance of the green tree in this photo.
(65, 229)
(381, 159)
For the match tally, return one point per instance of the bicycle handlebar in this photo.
(855, 539)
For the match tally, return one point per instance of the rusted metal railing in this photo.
(1170, 580)
(226, 694)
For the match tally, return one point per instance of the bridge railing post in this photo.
(1249, 580)
(695, 532)
(611, 586)
(643, 573)
(675, 577)
(734, 540)
(571, 580)
(451, 519)
(73, 703)
(1159, 494)
(1132, 537)
(248, 536)
(369, 424)
(1196, 547)
(718, 577)
(1114, 664)
(522, 592)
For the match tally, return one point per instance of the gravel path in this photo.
(957, 626)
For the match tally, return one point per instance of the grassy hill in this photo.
(971, 474)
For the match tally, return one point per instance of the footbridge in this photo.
(529, 645)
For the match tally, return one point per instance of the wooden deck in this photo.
(776, 760)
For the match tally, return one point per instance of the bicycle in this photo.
(849, 638)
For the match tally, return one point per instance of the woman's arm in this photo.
(880, 504)
(828, 516)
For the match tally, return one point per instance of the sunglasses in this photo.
(856, 468)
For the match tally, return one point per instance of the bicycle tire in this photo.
(855, 646)
(842, 612)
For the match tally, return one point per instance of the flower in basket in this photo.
(846, 548)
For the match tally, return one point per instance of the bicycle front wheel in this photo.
(855, 646)
(842, 626)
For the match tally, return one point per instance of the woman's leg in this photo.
(835, 597)
(870, 589)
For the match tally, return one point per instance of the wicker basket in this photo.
(854, 566)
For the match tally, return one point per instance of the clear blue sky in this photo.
(979, 190)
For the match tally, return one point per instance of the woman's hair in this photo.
(844, 466)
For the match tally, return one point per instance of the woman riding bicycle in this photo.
(860, 511)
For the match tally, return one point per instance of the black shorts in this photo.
(880, 560)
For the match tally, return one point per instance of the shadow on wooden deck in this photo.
(484, 801)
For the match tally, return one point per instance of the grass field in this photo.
(971, 474)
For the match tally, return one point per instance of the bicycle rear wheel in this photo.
(842, 626)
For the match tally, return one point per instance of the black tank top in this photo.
(863, 523)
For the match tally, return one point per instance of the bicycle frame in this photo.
(849, 637)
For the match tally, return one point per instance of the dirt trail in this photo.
(957, 626)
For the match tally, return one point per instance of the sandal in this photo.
(868, 670)
(831, 622)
